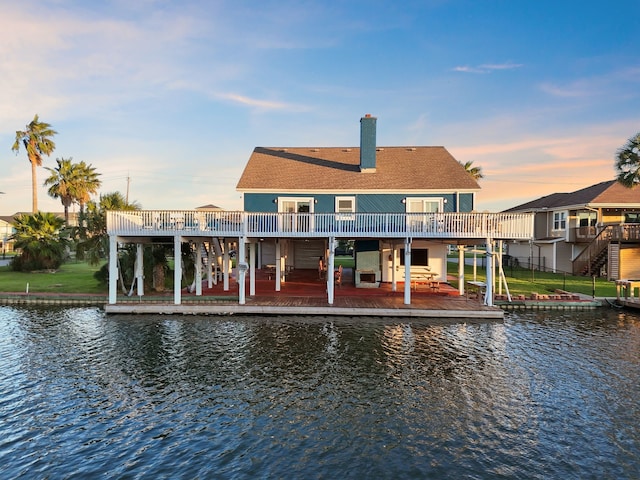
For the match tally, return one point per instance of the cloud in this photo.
(621, 83)
(487, 67)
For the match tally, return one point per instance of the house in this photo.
(346, 181)
(401, 207)
(6, 230)
(592, 231)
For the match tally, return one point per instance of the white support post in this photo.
(461, 269)
(278, 265)
(394, 283)
(500, 266)
(210, 265)
(140, 269)
(242, 271)
(225, 266)
(407, 271)
(113, 269)
(177, 270)
(330, 267)
(488, 296)
(198, 269)
(252, 268)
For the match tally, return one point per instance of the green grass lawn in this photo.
(522, 281)
(75, 277)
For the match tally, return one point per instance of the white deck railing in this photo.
(306, 225)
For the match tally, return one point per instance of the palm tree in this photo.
(475, 172)
(61, 184)
(628, 162)
(93, 241)
(38, 237)
(87, 184)
(36, 139)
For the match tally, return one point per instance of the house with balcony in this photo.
(401, 207)
(592, 231)
(349, 181)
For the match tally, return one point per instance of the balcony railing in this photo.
(306, 225)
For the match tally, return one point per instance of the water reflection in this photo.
(540, 395)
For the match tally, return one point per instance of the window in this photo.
(587, 219)
(346, 205)
(560, 220)
(419, 256)
(632, 217)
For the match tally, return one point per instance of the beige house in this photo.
(592, 231)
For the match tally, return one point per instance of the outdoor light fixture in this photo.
(404, 200)
(275, 200)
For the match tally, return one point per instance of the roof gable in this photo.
(609, 193)
(337, 169)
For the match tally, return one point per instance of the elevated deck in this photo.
(194, 223)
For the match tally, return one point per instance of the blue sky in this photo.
(176, 94)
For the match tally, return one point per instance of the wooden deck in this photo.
(305, 294)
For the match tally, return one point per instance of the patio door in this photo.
(423, 205)
(296, 214)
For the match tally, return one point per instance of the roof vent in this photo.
(283, 149)
(315, 149)
(411, 149)
(346, 150)
(379, 149)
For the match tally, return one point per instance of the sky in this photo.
(168, 98)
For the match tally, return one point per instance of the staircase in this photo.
(594, 257)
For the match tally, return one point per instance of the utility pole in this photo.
(127, 196)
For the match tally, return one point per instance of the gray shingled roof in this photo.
(604, 193)
(337, 169)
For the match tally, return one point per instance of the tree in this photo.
(87, 184)
(36, 139)
(72, 183)
(38, 237)
(475, 172)
(91, 234)
(628, 162)
(61, 184)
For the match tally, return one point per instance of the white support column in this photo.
(210, 265)
(177, 270)
(278, 265)
(330, 267)
(225, 266)
(252, 268)
(500, 243)
(113, 269)
(198, 269)
(488, 296)
(140, 269)
(242, 271)
(461, 269)
(394, 283)
(407, 271)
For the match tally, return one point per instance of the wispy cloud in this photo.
(487, 67)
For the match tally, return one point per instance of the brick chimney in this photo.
(368, 143)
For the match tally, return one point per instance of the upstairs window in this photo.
(346, 206)
(632, 217)
(560, 220)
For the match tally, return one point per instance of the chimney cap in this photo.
(367, 115)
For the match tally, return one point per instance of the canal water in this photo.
(540, 395)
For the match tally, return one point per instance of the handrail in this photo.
(593, 250)
(306, 225)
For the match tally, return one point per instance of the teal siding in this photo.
(365, 203)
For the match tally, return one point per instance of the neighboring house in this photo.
(592, 231)
(356, 180)
(6, 230)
